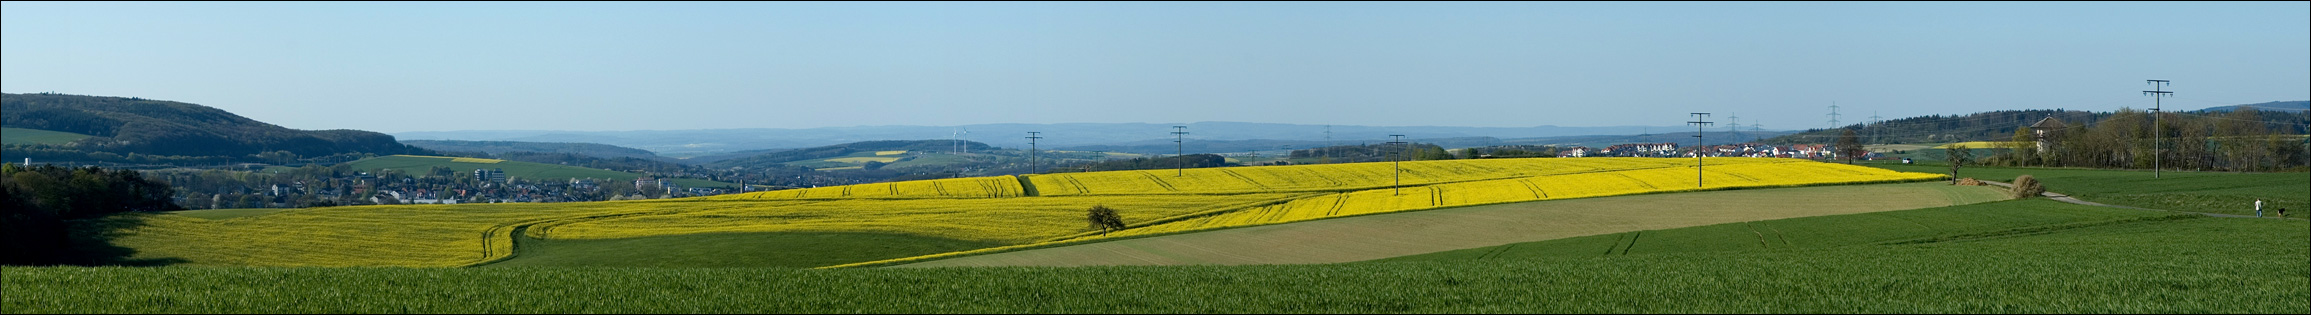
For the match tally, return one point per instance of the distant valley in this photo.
(1114, 137)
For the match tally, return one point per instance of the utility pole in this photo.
(1733, 126)
(1179, 151)
(2157, 134)
(1031, 137)
(1399, 163)
(1699, 122)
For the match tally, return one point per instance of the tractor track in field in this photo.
(519, 232)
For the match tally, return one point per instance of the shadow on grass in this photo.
(90, 242)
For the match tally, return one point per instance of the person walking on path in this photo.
(2258, 208)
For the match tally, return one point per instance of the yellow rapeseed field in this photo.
(1981, 144)
(864, 159)
(988, 209)
(1003, 220)
(475, 160)
(1720, 174)
(968, 187)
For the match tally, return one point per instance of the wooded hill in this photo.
(2000, 125)
(136, 130)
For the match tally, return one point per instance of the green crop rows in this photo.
(2199, 265)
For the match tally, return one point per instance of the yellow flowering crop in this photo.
(1720, 174)
(968, 187)
(990, 209)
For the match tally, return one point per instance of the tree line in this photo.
(1999, 125)
(1382, 152)
(2240, 140)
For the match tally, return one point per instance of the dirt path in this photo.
(1417, 232)
(2067, 198)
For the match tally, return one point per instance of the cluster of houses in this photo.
(1671, 149)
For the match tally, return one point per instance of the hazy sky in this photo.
(395, 67)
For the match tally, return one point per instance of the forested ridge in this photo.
(137, 130)
(1999, 125)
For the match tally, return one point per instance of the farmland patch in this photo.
(1408, 233)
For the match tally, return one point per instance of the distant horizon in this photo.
(1669, 128)
(594, 66)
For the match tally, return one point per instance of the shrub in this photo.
(2026, 186)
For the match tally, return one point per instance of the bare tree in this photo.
(1957, 155)
(1850, 146)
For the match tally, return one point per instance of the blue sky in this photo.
(397, 67)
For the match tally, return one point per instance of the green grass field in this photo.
(2018, 256)
(535, 171)
(1865, 229)
(729, 250)
(2176, 265)
(37, 136)
(1409, 233)
(2212, 192)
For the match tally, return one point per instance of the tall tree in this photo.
(1850, 146)
(2023, 147)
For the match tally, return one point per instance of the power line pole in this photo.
(1733, 126)
(2157, 134)
(1324, 157)
(1179, 151)
(1031, 137)
(1875, 128)
(1698, 122)
(1757, 130)
(1834, 115)
(1399, 163)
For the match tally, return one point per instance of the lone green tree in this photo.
(1105, 219)
(1957, 155)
